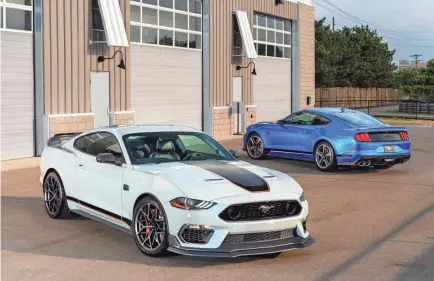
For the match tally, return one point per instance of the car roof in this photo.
(134, 129)
(328, 110)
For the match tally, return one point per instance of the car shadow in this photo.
(26, 228)
(289, 166)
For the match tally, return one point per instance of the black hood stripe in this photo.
(239, 176)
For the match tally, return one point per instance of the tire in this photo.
(255, 147)
(148, 240)
(55, 197)
(325, 157)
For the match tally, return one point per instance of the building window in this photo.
(272, 36)
(98, 33)
(16, 15)
(174, 23)
(237, 46)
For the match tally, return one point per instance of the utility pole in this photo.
(416, 58)
(334, 24)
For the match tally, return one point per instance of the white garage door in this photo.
(166, 86)
(272, 89)
(17, 109)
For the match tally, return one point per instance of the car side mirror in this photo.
(106, 158)
(234, 154)
(280, 122)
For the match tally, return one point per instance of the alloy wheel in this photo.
(323, 156)
(52, 195)
(150, 227)
(255, 147)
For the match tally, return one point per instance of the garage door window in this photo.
(16, 15)
(272, 36)
(173, 23)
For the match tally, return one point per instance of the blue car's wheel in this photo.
(255, 147)
(324, 156)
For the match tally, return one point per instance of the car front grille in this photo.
(261, 210)
(197, 236)
(259, 237)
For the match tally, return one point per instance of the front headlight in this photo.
(191, 204)
(302, 199)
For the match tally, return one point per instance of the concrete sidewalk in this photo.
(16, 164)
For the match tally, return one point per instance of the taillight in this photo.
(363, 137)
(404, 136)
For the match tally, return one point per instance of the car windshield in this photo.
(357, 118)
(162, 147)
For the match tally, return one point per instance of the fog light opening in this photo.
(234, 212)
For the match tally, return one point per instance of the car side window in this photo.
(301, 118)
(100, 142)
(320, 120)
(82, 144)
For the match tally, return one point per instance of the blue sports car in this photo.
(330, 137)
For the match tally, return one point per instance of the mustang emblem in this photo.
(265, 208)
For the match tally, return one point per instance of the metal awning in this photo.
(246, 34)
(113, 23)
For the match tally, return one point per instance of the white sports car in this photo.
(174, 189)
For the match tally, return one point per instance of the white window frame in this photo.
(4, 4)
(115, 33)
(158, 8)
(257, 27)
(246, 34)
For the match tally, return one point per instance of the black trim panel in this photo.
(290, 151)
(239, 176)
(247, 249)
(110, 214)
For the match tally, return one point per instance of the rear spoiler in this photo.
(383, 129)
(59, 139)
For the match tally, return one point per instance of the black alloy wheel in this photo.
(54, 197)
(150, 227)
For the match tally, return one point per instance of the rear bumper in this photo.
(247, 249)
(379, 159)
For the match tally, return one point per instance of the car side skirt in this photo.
(297, 155)
(94, 213)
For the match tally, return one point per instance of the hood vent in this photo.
(214, 180)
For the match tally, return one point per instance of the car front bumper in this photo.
(245, 249)
(179, 220)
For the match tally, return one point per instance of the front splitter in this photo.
(245, 249)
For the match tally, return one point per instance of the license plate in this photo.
(389, 148)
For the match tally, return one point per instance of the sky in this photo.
(406, 25)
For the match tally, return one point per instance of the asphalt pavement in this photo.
(368, 225)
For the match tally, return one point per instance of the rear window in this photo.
(357, 118)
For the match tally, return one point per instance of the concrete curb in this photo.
(17, 164)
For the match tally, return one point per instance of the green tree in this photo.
(352, 57)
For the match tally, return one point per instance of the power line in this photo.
(386, 35)
(369, 23)
(348, 16)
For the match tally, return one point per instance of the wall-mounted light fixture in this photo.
(120, 65)
(254, 67)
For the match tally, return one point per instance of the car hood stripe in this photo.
(233, 173)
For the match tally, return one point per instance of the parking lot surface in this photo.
(368, 225)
